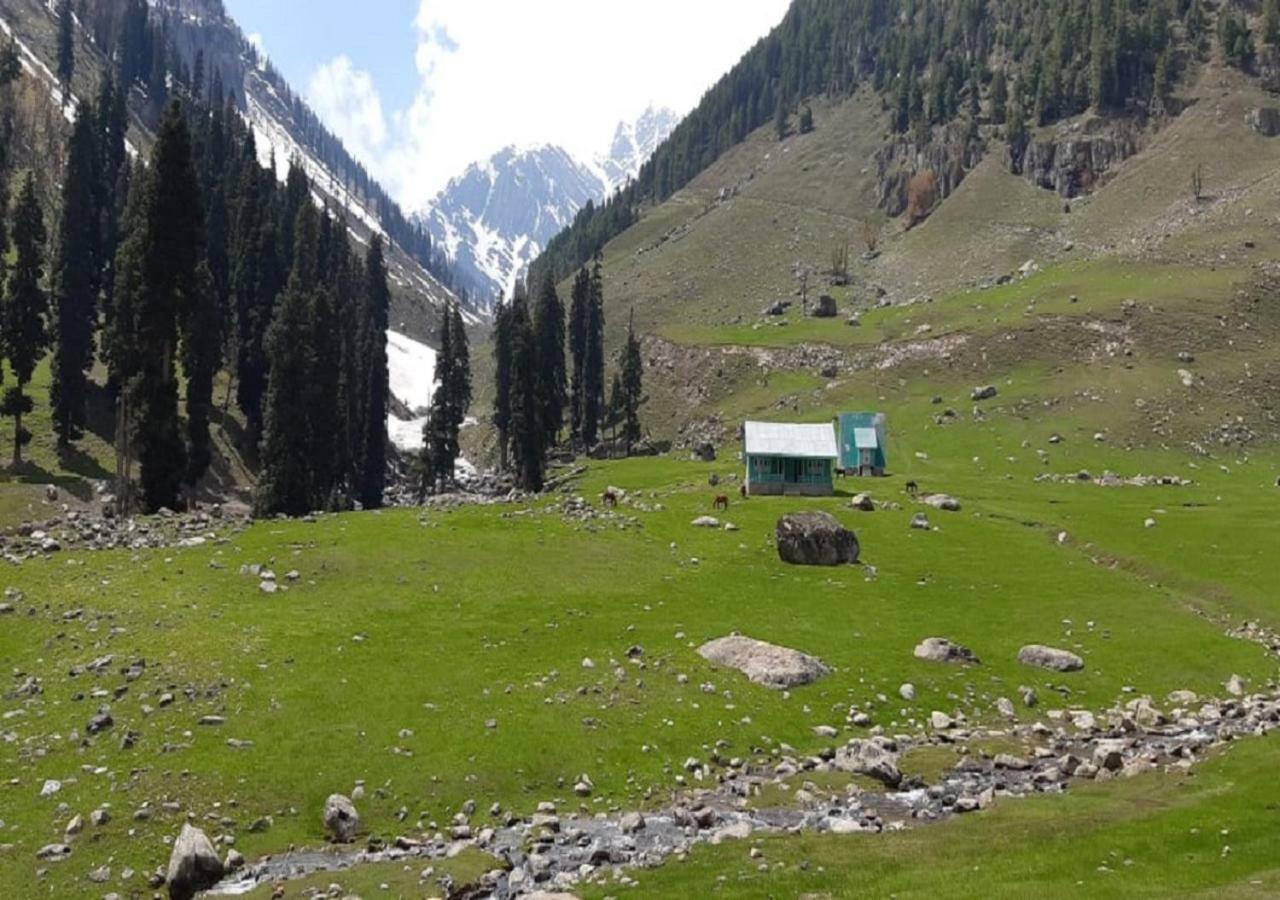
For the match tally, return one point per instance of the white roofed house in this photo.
(790, 459)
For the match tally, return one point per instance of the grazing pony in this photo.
(913, 488)
(609, 499)
(721, 502)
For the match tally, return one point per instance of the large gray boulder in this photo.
(870, 758)
(766, 664)
(936, 649)
(341, 821)
(193, 865)
(1050, 658)
(815, 539)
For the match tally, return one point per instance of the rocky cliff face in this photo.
(949, 154)
(1070, 161)
(1074, 159)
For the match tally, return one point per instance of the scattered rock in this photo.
(341, 821)
(942, 501)
(1050, 658)
(54, 852)
(871, 758)
(920, 522)
(762, 663)
(986, 392)
(937, 649)
(705, 522)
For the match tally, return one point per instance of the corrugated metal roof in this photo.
(785, 439)
(865, 438)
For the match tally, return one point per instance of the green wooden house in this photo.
(789, 459)
(862, 443)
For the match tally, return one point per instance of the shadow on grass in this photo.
(77, 462)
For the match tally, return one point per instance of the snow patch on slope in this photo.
(411, 369)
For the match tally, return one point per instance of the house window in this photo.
(815, 468)
(766, 467)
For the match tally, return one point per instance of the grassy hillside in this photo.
(1112, 286)
(456, 673)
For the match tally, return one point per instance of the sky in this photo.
(419, 89)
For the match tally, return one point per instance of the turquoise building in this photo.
(862, 450)
(789, 459)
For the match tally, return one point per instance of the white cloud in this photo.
(498, 72)
(346, 100)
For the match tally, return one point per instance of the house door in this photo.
(791, 470)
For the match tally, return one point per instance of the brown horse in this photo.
(742, 491)
(721, 502)
(609, 499)
(913, 488)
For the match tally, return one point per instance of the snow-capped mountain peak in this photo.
(497, 216)
(633, 144)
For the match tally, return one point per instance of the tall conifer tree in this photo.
(23, 328)
(171, 249)
(548, 328)
(593, 383)
(75, 281)
(580, 300)
(377, 302)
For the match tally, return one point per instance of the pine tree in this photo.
(23, 328)
(201, 333)
(377, 301)
(345, 276)
(593, 383)
(439, 436)
(66, 48)
(548, 328)
(75, 282)
(613, 410)
(171, 249)
(632, 384)
(503, 348)
(450, 400)
(326, 400)
(528, 432)
(580, 302)
(284, 484)
(111, 191)
(781, 115)
(461, 389)
(806, 119)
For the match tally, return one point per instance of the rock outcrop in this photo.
(1076, 158)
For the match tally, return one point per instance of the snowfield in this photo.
(411, 367)
(411, 370)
